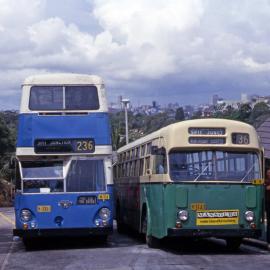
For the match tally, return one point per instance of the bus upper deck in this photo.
(60, 106)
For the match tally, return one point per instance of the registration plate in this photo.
(103, 197)
(87, 200)
(198, 206)
(44, 208)
(217, 217)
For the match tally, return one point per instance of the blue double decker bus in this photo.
(64, 183)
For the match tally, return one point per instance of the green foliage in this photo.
(179, 115)
(139, 125)
(259, 110)
(8, 123)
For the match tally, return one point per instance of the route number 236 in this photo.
(85, 146)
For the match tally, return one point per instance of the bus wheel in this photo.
(233, 243)
(102, 239)
(150, 240)
(120, 224)
(29, 243)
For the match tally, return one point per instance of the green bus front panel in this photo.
(164, 201)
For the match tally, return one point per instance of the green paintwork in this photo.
(251, 197)
(181, 198)
(165, 200)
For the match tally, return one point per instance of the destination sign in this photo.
(206, 140)
(64, 146)
(240, 138)
(206, 131)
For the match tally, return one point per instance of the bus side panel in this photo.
(128, 202)
(153, 196)
(34, 126)
(75, 216)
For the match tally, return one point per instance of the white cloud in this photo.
(137, 44)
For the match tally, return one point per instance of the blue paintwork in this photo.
(34, 126)
(76, 216)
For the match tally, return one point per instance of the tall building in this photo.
(120, 102)
(244, 98)
(215, 99)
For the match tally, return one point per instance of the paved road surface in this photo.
(123, 252)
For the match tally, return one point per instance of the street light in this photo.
(125, 103)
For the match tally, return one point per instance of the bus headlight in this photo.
(104, 213)
(183, 215)
(249, 216)
(26, 215)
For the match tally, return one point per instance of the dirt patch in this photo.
(6, 193)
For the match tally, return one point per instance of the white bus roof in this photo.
(62, 79)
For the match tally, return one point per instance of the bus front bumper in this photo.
(62, 232)
(219, 233)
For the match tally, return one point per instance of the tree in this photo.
(244, 113)
(180, 115)
(6, 143)
(259, 109)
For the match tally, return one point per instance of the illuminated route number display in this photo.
(64, 145)
(240, 138)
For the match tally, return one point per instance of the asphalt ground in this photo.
(127, 251)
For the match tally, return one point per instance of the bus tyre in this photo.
(102, 239)
(120, 224)
(29, 243)
(233, 243)
(152, 241)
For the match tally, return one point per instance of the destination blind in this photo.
(85, 145)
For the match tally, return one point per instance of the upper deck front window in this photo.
(52, 98)
(46, 98)
(211, 165)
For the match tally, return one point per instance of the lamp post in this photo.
(125, 103)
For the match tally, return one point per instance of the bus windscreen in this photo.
(86, 175)
(214, 166)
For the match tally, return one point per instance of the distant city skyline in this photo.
(164, 50)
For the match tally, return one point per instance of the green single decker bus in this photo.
(196, 178)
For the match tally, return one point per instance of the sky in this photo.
(181, 51)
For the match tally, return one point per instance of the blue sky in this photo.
(166, 50)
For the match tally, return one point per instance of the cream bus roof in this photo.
(62, 79)
(177, 135)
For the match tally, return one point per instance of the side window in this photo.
(160, 162)
(143, 150)
(141, 166)
(137, 167)
(148, 150)
(147, 163)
